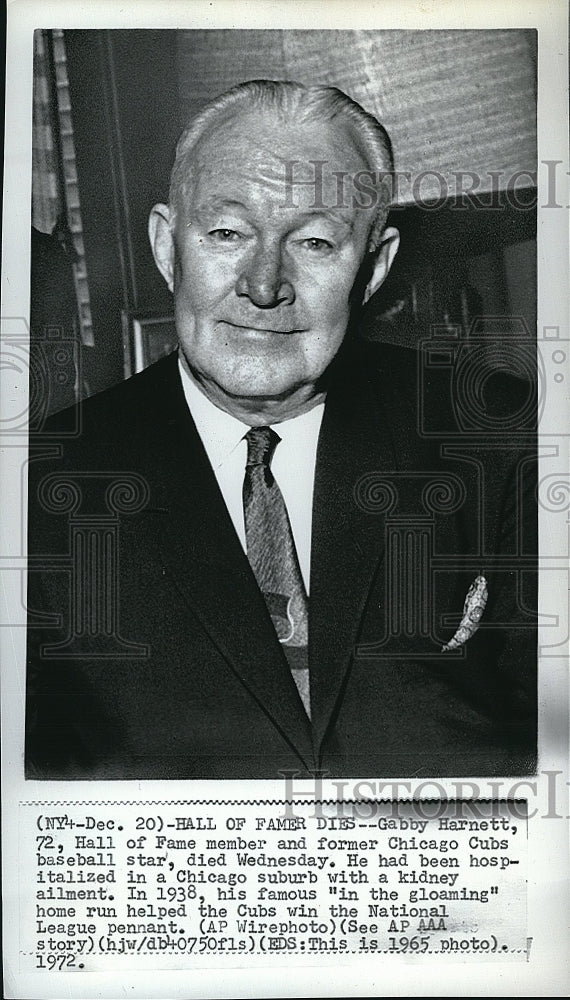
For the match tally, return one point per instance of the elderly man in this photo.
(251, 561)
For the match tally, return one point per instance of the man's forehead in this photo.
(300, 163)
(298, 209)
(281, 133)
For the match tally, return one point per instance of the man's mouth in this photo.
(253, 328)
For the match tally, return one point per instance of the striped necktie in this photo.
(273, 557)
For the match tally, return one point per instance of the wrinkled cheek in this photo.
(205, 285)
(336, 320)
(186, 316)
(193, 300)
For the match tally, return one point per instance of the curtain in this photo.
(55, 195)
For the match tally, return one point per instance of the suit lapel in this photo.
(200, 549)
(348, 536)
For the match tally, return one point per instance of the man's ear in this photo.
(162, 242)
(387, 250)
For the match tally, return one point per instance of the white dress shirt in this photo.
(293, 463)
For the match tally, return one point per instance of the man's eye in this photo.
(224, 235)
(318, 244)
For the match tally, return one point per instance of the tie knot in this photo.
(261, 443)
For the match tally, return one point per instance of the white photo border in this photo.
(546, 972)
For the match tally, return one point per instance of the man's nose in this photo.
(263, 279)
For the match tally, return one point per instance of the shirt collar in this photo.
(221, 433)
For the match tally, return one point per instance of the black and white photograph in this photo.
(305, 538)
(287, 408)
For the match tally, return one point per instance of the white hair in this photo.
(303, 104)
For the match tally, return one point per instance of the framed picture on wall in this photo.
(146, 339)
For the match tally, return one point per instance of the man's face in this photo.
(262, 271)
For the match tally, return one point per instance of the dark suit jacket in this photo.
(151, 652)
